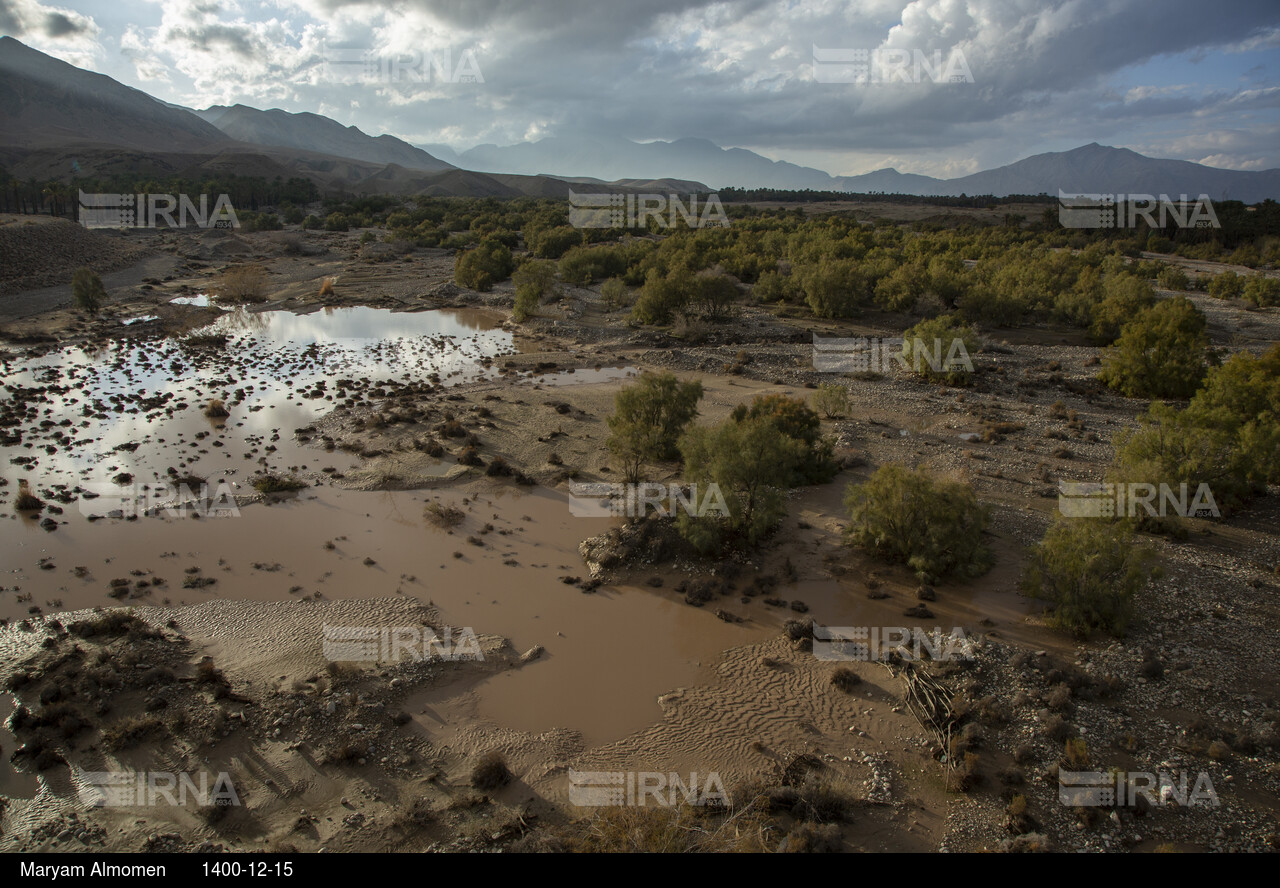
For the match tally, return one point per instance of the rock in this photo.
(926, 593)
(532, 654)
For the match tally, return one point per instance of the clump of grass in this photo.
(326, 287)
(26, 501)
(271, 483)
(129, 732)
(490, 772)
(499, 467)
(845, 679)
(470, 457)
(444, 516)
(216, 409)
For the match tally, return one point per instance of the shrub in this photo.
(335, 222)
(661, 297)
(1124, 296)
(482, 267)
(751, 460)
(1088, 571)
(552, 243)
(613, 293)
(88, 291)
(795, 420)
(270, 483)
(24, 500)
(1161, 353)
(1262, 291)
(932, 525)
(535, 279)
(938, 349)
(845, 679)
(649, 417)
(444, 516)
(831, 400)
(1171, 277)
(216, 409)
(247, 283)
(129, 732)
(1227, 285)
(490, 772)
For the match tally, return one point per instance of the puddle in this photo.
(137, 407)
(200, 300)
(129, 412)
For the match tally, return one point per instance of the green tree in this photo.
(1088, 571)
(934, 526)
(481, 268)
(1161, 353)
(797, 421)
(649, 417)
(1123, 296)
(88, 291)
(831, 400)
(940, 349)
(535, 280)
(751, 461)
(613, 293)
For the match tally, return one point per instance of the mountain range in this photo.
(55, 117)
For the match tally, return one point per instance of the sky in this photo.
(938, 87)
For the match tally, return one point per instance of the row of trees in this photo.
(60, 197)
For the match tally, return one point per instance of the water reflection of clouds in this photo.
(273, 356)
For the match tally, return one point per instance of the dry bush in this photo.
(326, 287)
(216, 409)
(490, 772)
(244, 284)
(444, 516)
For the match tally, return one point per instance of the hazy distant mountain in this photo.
(313, 132)
(1098, 168)
(1091, 168)
(46, 102)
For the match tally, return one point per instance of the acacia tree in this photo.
(648, 419)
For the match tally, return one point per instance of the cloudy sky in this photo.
(1177, 78)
